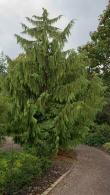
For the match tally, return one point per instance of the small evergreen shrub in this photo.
(18, 169)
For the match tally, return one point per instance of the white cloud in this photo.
(13, 12)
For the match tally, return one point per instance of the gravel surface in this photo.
(8, 144)
(90, 176)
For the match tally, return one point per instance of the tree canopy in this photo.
(54, 99)
(98, 52)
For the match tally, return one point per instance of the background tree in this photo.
(98, 52)
(54, 99)
(101, 40)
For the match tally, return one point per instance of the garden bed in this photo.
(61, 164)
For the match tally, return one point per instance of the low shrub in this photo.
(17, 169)
(106, 147)
(98, 135)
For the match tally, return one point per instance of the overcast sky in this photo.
(13, 12)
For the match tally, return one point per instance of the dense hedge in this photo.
(98, 135)
(18, 169)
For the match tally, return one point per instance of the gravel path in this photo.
(8, 145)
(91, 175)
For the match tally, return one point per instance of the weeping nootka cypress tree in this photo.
(54, 99)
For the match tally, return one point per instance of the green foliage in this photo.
(4, 117)
(17, 170)
(98, 52)
(101, 40)
(106, 146)
(4, 99)
(98, 135)
(54, 98)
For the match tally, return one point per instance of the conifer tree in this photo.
(54, 99)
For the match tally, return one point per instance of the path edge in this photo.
(48, 190)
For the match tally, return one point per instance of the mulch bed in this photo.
(61, 164)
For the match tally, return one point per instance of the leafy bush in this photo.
(106, 146)
(18, 169)
(98, 135)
